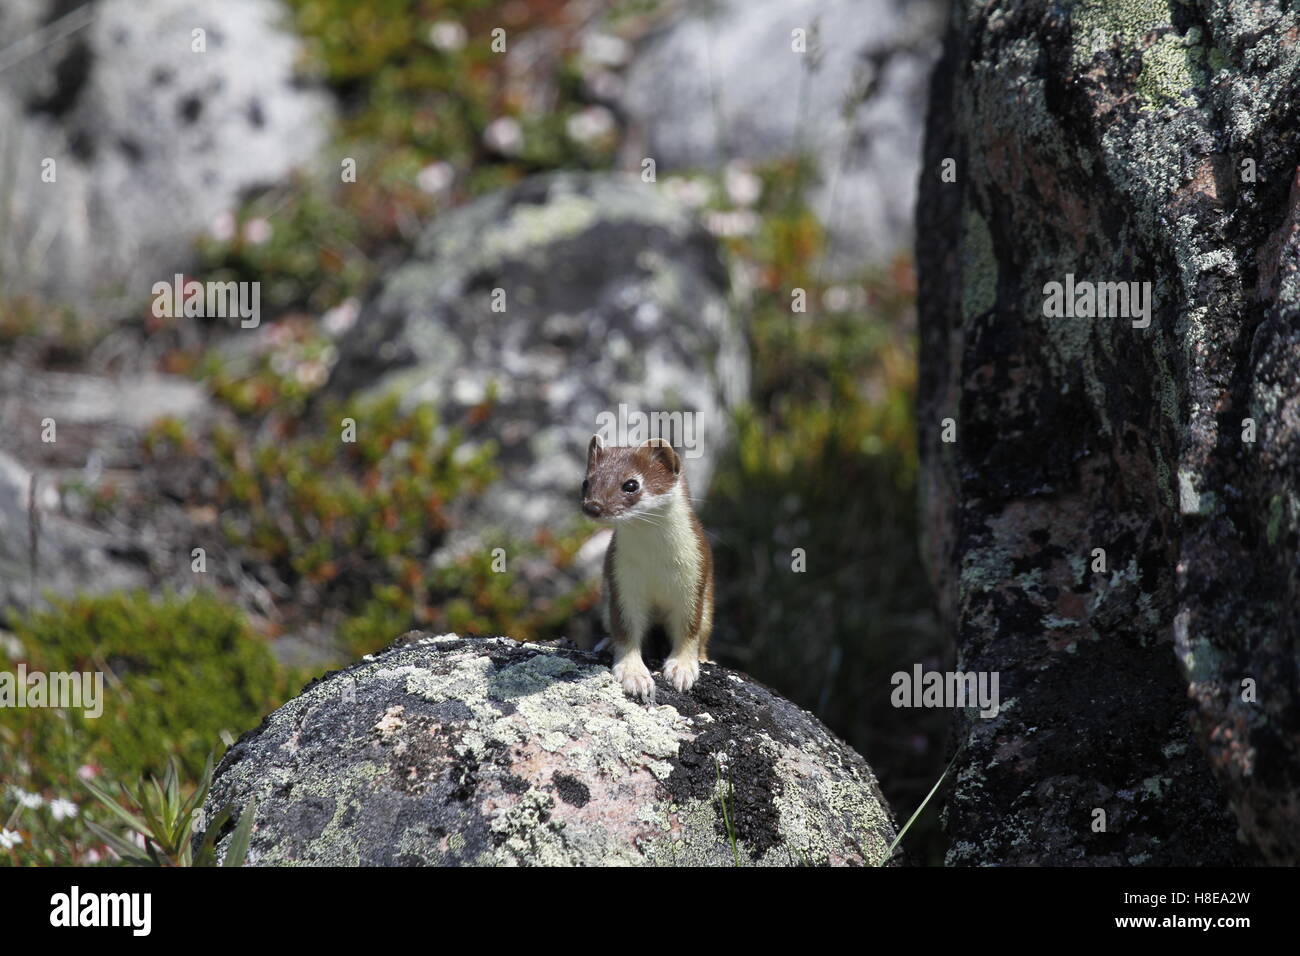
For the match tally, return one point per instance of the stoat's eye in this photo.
(586, 486)
(631, 486)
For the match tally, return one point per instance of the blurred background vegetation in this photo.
(825, 461)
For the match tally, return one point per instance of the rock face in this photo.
(1118, 142)
(151, 139)
(98, 423)
(455, 751)
(612, 296)
(68, 556)
(722, 82)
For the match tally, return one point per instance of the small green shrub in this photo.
(181, 673)
(353, 530)
(178, 672)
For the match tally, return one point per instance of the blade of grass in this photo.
(238, 848)
(108, 800)
(912, 819)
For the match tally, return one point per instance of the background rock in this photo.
(614, 296)
(98, 424)
(486, 751)
(1111, 141)
(153, 142)
(720, 81)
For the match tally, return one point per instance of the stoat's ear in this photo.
(594, 448)
(660, 450)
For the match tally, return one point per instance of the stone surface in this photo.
(613, 295)
(98, 423)
(152, 141)
(721, 82)
(1113, 141)
(68, 557)
(455, 751)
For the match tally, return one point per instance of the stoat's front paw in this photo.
(635, 677)
(682, 672)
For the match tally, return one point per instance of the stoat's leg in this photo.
(628, 623)
(683, 665)
(705, 629)
(629, 668)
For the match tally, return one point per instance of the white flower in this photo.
(603, 84)
(504, 135)
(257, 231)
(223, 227)
(837, 298)
(312, 373)
(435, 177)
(604, 49)
(63, 809)
(31, 801)
(9, 839)
(342, 317)
(10, 644)
(590, 125)
(447, 36)
(742, 186)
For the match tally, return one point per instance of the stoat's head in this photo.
(625, 483)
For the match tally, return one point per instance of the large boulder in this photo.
(1116, 526)
(613, 296)
(454, 751)
(152, 139)
(720, 81)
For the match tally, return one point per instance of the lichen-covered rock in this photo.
(610, 295)
(1125, 142)
(721, 81)
(154, 130)
(456, 751)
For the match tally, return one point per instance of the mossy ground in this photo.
(181, 674)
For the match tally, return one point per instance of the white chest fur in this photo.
(657, 561)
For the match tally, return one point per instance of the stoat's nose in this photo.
(591, 508)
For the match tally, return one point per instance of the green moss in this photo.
(179, 672)
(1171, 70)
(979, 265)
(181, 677)
(1099, 25)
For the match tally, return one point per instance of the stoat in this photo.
(658, 567)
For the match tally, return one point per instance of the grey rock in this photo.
(1134, 143)
(454, 751)
(721, 82)
(152, 142)
(98, 423)
(614, 296)
(69, 557)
